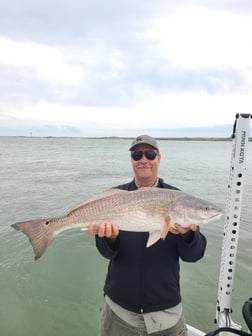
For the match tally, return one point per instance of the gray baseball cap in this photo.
(144, 139)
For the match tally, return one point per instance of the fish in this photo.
(147, 209)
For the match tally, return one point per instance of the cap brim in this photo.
(143, 143)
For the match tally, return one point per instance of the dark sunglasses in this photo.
(149, 154)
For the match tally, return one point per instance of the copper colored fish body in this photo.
(151, 210)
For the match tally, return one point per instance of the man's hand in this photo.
(105, 229)
(178, 229)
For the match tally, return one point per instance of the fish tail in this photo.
(39, 233)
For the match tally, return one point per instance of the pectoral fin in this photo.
(154, 236)
(166, 227)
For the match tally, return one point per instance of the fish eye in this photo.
(47, 223)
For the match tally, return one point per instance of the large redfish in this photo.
(151, 210)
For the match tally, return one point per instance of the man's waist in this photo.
(166, 318)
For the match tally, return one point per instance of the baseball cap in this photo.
(144, 139)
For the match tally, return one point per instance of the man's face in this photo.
(144, 168)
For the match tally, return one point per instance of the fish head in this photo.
(192, 210)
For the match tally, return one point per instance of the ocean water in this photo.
(61, 293)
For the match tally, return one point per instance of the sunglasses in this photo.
(149, 154)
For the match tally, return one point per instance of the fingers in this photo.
(173, 230)
(105, 229)
(92, 229)
(193, 227)
(178, 229)
(108, 230)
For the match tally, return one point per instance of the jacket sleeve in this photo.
(107, 248)
(193, 250)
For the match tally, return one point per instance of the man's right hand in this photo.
(105, 229)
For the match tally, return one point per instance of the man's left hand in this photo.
(178, 229)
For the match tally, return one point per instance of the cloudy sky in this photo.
(88, 67)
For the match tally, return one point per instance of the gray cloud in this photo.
(60, 22)
(22, 84)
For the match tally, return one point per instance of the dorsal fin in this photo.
(107, 193)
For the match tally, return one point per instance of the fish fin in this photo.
(154, 236)
(107, 193)
(166, 227)
(39, 233)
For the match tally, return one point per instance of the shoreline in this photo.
(124, 138)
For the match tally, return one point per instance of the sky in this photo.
(118, 67)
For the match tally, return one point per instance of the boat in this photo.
(225, 325)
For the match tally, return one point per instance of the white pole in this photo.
(232, 221)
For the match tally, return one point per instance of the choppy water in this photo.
(62, 292)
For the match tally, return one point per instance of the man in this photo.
(142, 290)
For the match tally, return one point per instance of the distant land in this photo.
(125, 138)
(199, 133)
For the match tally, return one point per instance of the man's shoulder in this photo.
(127, 186)
(162, 184)
(132, 186)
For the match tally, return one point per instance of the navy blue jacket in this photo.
(144, 279)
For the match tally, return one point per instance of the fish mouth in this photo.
(212, 218)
